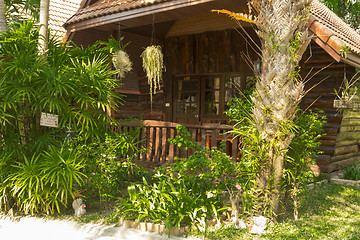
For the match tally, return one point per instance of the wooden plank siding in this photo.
(323, 75)
(220, 52)
(210, 52)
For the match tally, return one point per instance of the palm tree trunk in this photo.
(282, 30)
(3, 27)
(44, 19)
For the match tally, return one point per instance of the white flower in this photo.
(122, 62)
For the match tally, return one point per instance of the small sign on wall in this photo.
(49, 120)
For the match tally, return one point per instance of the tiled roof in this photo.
(59, 12)
(107, 7)
(339, 30)
(336, 30)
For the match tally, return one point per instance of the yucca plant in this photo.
(153, 65)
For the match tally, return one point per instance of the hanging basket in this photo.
(153, 65)
(122, 62)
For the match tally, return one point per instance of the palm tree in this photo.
(282, 30)
(44, 18)
(2, 17)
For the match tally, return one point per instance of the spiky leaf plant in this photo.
(73, 83)
(153, 65)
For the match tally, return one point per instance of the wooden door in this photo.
(187, 100)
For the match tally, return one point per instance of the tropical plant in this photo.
(120, 58)
(153, 65)
(17, 11)
(189, 191)
(302, 151)
(109, 164)
(281, 27)
(44, 182)
(349, 89)
(352, 172)
(70, 82)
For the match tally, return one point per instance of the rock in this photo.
(260, 224)
(336, 175)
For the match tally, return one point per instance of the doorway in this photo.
(203, 98)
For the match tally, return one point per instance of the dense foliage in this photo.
(300, 155)
(109, 165)
(39, 166)
(190, 191)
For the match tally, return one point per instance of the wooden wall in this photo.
(210, 52)
(347, 146)
(223, 52)
(323, 75)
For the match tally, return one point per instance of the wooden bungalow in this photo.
(209, 58)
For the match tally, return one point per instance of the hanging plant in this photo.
(122, 62)
(120, 58)
(153, 65)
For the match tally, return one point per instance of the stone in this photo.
(259, 226)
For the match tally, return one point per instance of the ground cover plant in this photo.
(188, 192)
(352, 172)
(331, 212)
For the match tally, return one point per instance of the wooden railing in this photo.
(153, 137)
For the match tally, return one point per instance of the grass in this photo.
(328, 212)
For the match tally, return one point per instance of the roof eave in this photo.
(351, 59)
(334, 46)
(131, 14)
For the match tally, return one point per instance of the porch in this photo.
(153, 137)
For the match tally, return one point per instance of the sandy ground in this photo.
(31, 228)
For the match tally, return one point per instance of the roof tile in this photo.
(59, 12)
(333, 24)
(336, 25)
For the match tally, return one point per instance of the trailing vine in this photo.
(153, 65)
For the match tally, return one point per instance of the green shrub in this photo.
(189, 191)
(44, 182)
(302, 151)
(109, 165)
(74, 83)
(352, 172)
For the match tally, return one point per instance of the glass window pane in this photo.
(233, 82)
(212, 109)
(180, 109)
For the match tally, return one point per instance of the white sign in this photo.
(49, 120)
